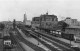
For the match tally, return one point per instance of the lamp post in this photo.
(38, 37)
(3, 39)
(70, 41)
(40, 23)
(39, 28)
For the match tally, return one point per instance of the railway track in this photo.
(6, 49)
(14, 41)
(44, 43)
(35, 47)
(53, 38)
(50, 40)
(56, 45)
(18, 46)
(52, 48)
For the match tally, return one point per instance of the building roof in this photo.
(68, 18)
(35, 18)
(49, 15)
(76, 27)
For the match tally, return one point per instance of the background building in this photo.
(35, 22)
(78, 23)
(25, 21)
(70, 21)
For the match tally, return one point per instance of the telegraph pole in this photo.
(39, 28)
(3, 39)
(71, 37)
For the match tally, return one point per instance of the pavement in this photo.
(27, 48)
(66, 41)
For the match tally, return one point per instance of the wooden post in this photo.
(70, 43)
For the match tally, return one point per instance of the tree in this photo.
(14, 23)
(2, 26)
(63, 25)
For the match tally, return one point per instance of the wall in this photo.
(28, 22)
(71, 21)
(35, 22)
(48, 21)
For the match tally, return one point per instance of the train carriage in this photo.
(7, 42)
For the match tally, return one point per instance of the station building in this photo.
(45, 21)
(73, 30)
(48, 21)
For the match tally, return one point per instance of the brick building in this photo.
(48, 21)
(45, 21)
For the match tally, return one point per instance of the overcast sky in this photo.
(14, 9)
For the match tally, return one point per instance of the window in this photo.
(48, 19)
(6, 43)
(56, 32)
(48, 24)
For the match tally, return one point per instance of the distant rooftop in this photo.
(68, 18)
(76, 27)
(48, 14)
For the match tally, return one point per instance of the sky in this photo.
(15, 9)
